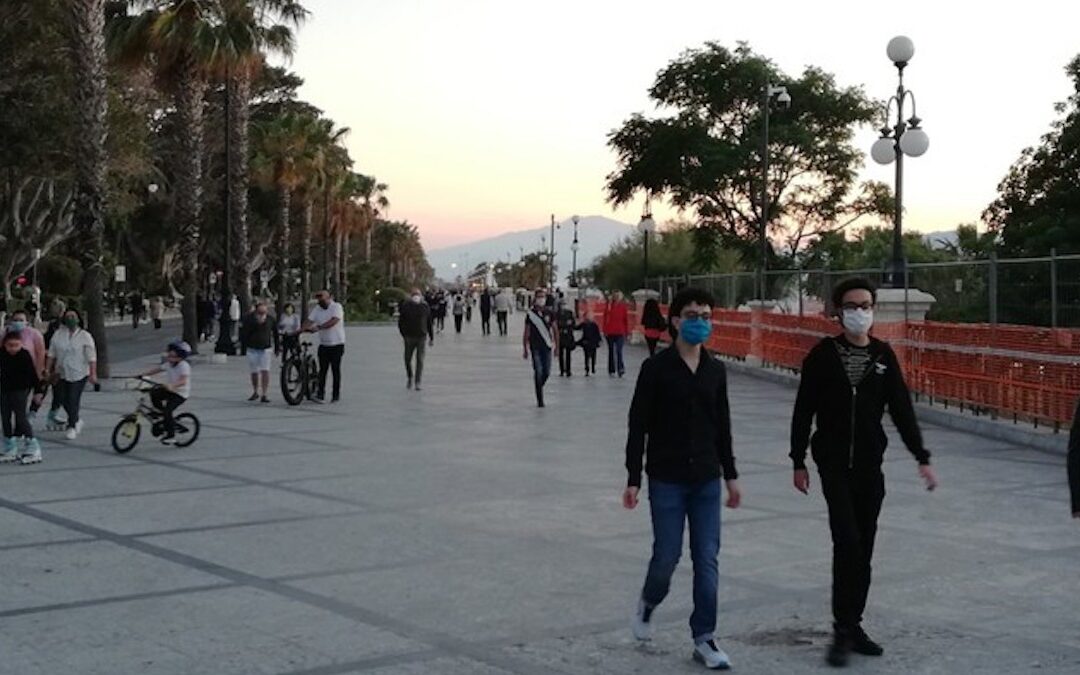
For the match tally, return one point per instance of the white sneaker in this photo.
(711, 656)
(78, 427)
(72, 433)
(10, 453)
(643, 621)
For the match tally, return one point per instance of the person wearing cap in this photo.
(176, 390)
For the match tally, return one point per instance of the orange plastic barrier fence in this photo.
(1025, 372)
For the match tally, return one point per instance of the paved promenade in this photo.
(459, 530)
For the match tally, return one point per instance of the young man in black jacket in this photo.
(414, 324)
(847, 382)
(680, 420)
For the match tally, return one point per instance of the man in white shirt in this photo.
(328, 319)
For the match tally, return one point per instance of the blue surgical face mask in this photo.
(695, 331)
(17, 326)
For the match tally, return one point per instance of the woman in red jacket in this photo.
(616, 328)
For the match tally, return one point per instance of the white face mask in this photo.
(858, 321)
(417, 299)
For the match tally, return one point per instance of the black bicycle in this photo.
(128, 430)
(299, 374)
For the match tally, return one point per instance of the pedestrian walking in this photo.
(136, 309)
(485, 312)
(257, 337)
(157, 309)
(71, 363)
(34, 342)
(616, 328)
(567, 342)
(590, 340)
(540, 338)
(289, 327)
(680, 420)
(503, 304)
(18, 380)
(432, 301)
(328, 319)
(847, 383)
(653, 324)
(459, 312)
(1074, 462)
(470, 300)
(414, 322)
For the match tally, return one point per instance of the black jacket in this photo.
(17, 372)
(684, 420)
(826, 395)
(255, 335)
(1074, 461)
(414, 319)
(485, 303)
(590, 335)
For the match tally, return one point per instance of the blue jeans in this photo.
(541, 363)
(615, 345)
(671, 505)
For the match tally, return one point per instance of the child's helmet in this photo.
(180, 348)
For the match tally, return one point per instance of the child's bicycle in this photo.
(299, 373)
(128, 430)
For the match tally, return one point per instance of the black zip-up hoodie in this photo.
(826, 396)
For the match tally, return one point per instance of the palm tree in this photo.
(325, 157)
(86, 30)
(181, 40)
(250, 29)
(282, 155)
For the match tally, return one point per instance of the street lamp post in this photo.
(225, 343)
(646, 227)
(551, 272)
(783, 98)
(574, 249)
(902, 138)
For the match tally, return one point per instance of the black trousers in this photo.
(501, 317)
(417, 346)
(566, 352)
(330, 357)
(167, 402)
(854, 500)
(457, 322)
(652, 342)
(13, 410)
(69, 395)
(590, 360)
(485, 322)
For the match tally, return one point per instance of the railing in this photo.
(1027, 373)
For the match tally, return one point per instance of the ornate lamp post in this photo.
(769, 92)
(646, 227)
(902, 138)
(574, 247)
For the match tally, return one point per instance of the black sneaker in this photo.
(861, 643)
(253, 397)
(168, 440)
(839, 651)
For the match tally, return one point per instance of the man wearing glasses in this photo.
(847, 382)
(680, 419)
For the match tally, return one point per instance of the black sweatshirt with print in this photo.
(849, 434)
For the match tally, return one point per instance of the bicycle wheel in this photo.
(126, 434)
(187, 429)
(292, 382)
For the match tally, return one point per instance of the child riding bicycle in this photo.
(175, 391)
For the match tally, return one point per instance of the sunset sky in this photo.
(486, 116)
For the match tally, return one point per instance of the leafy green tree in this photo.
(704, 155)
(1038, 205)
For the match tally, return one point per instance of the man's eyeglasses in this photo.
(690, 316)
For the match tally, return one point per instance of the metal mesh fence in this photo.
(1030, 291)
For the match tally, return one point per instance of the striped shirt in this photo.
(856, 361)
